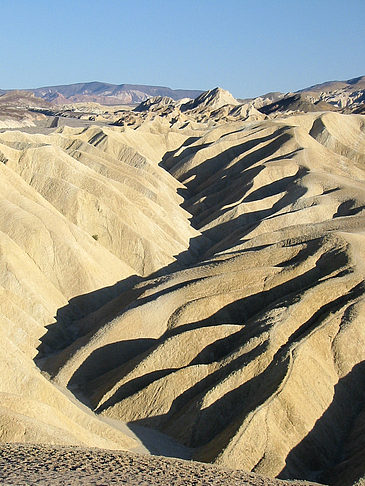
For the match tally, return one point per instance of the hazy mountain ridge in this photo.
(108, 94)
(357, 83)
(103, 102)
(113, 94)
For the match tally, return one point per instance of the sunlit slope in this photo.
(100, 182)
(271, 175)
(78, 225)
(254, 354)
(250, 349)
(45, 260)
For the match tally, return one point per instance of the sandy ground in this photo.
(50, 465)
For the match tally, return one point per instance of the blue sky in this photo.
(248, 47)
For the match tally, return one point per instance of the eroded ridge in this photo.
(207, 283)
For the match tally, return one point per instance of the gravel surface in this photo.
(55, 465)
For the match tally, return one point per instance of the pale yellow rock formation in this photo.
(247, 345)
(74, 219)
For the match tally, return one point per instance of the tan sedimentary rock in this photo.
(247, 345)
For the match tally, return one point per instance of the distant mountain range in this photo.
(108, 94)
(116, 94)
(216, 104)
(358, 83)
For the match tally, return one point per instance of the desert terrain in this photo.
(184, 278)
(45, 465)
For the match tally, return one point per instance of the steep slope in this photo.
(213, 99)
(207, 281)
(245, 356)
(98, 181)
(82, 217)
(38, 248)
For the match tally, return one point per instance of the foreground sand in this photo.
(34, 464)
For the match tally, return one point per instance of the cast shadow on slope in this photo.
(212, 174)
(108, 357)
(322, 449)
(88, 312)
(62, 332)
(240, 312)
(245, 223)
(230, 191)
(210, 165)
(229, 407)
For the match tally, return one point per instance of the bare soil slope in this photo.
(202, 280)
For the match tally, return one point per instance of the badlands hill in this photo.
(344, 96)
(18, 109)
(347, 95)
(296, 103)
(190, 282)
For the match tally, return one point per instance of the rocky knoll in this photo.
(204, 280)
(214, 107)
